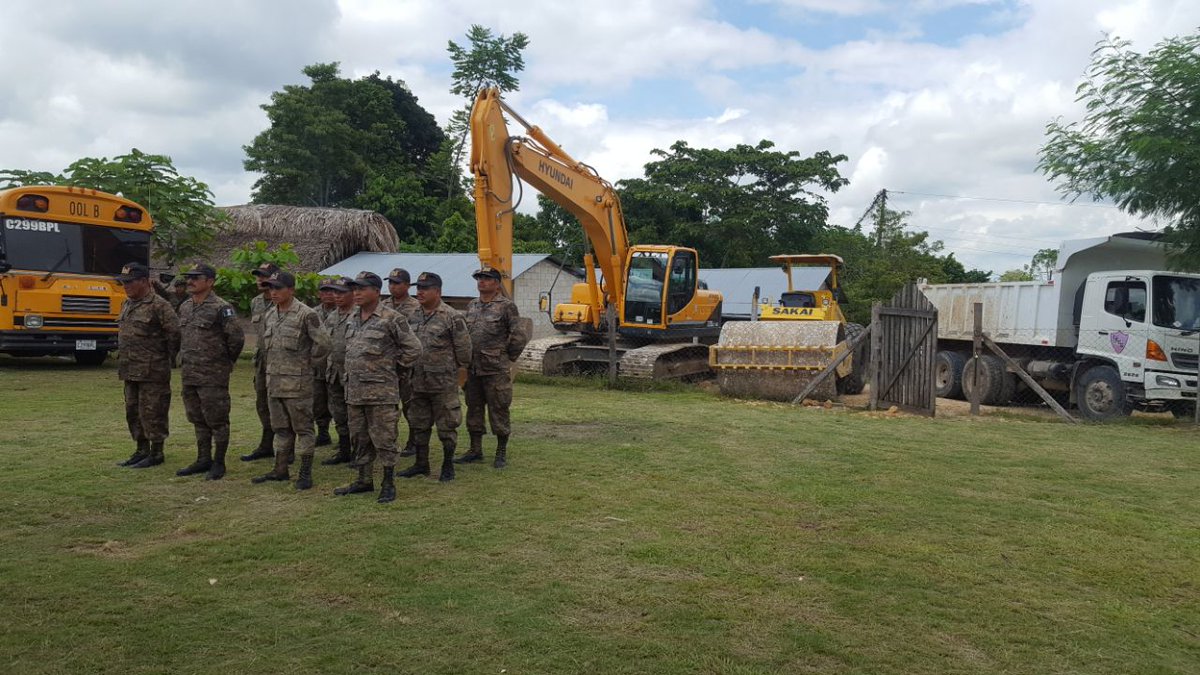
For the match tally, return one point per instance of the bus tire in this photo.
(91, 358)
(1101, 394)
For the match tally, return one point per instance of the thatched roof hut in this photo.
(320, 236)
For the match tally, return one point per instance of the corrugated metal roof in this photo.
(737, 285)
(455, 269)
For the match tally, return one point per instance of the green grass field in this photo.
(633, 532)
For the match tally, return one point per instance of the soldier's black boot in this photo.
(475, 454)
(323, 438)
(203, 459)
(304, 482)
(387, 491)
(343, 453)
(264, 449)
(153, 459)
(364, 483)
(419, 467)
(217, 470)
(279, 473)
(447, 463)
(410, 448)
(501, 452)
(143, 451)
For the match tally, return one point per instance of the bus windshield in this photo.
(45, 246)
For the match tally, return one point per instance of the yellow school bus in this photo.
(60, 249)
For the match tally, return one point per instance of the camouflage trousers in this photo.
(373, 428)
(493, 392)
(441, 409)
(337, 407)
(292, 420)
(208, 410)
(147, 407)
(406, 391)
(321, 411)
(260, 392)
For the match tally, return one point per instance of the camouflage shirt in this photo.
(496, 335)
(293, 340)
(407, 305)
(147, 339)
(258, 308)
(375, 348)
(320, 366)
(447, 344)
(211, 339)
(335, 325)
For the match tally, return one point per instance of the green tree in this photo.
(1017, 275)
(1043, 263)
(489, 60)
(185, 220)
(237, 285)
(1139, 141)
(735, 206)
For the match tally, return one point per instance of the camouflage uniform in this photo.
(376, 348)
(258, 309)
(293, 341)
(496, 341)
(447, 347)
(321, 412)
(407, 306)
(335, 325)
(211, 341)
(147, 343)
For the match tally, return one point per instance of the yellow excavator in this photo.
(788, 344)
(663, 319)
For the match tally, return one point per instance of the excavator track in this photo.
(665, 362)
(533, 358)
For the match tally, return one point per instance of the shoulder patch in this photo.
(227, 312)
(311, 320)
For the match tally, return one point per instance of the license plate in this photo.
(85, 345)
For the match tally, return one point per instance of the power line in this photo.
(1001, 199)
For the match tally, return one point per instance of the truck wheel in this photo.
(91, 358)
(948, 374)
(1101, 394)
(856, 380)
(996, 385)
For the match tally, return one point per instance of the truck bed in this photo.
(1014, 312)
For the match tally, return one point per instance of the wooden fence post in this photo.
(975, 349)
(876, 357)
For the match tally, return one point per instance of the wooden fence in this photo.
(903, 347)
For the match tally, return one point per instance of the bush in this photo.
(238, 286)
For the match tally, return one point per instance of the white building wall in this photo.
(531, 283)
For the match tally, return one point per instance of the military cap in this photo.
(487, 273)
(265, 270)
(367, 279)
(179, 280)
(335, 284)
(399, 276)
(429, 280)
(201, 270)
(281, 279)
(133, 271)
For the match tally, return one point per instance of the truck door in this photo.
(1118, 329)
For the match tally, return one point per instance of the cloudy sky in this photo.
(942, 102)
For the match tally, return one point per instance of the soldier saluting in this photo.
(293, 340)
(147, 342)
(211, 340)
(379, 342)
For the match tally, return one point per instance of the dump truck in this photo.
(787, 344)
(1110, 332)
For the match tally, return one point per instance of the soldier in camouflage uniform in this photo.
(176, 294)
(293, 340)
(335, 325)
(496, 341)
(147, 344)
(447, 349)
(211, 340)
(259, 305)
(379, 342)
(321, 413)
(398, 286)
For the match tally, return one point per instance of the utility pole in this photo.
(881, 199)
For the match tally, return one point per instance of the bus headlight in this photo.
(33, 321)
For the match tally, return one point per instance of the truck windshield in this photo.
(1177, 302)
(44, 246)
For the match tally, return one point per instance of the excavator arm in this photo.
(496, 156)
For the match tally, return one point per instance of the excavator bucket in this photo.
(775, 360)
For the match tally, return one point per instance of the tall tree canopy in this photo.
(364, 143)
(185, 219)
(489, 60)
(1139, 141)
(735, 206)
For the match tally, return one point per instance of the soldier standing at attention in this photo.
(293, 340)
(176, 295)
(335, 325)
(398, 286)
(379, 342)
(147, 343)
(321, 413)
(211, 340)
(496, 341)
(447, 348)
(259, 305)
